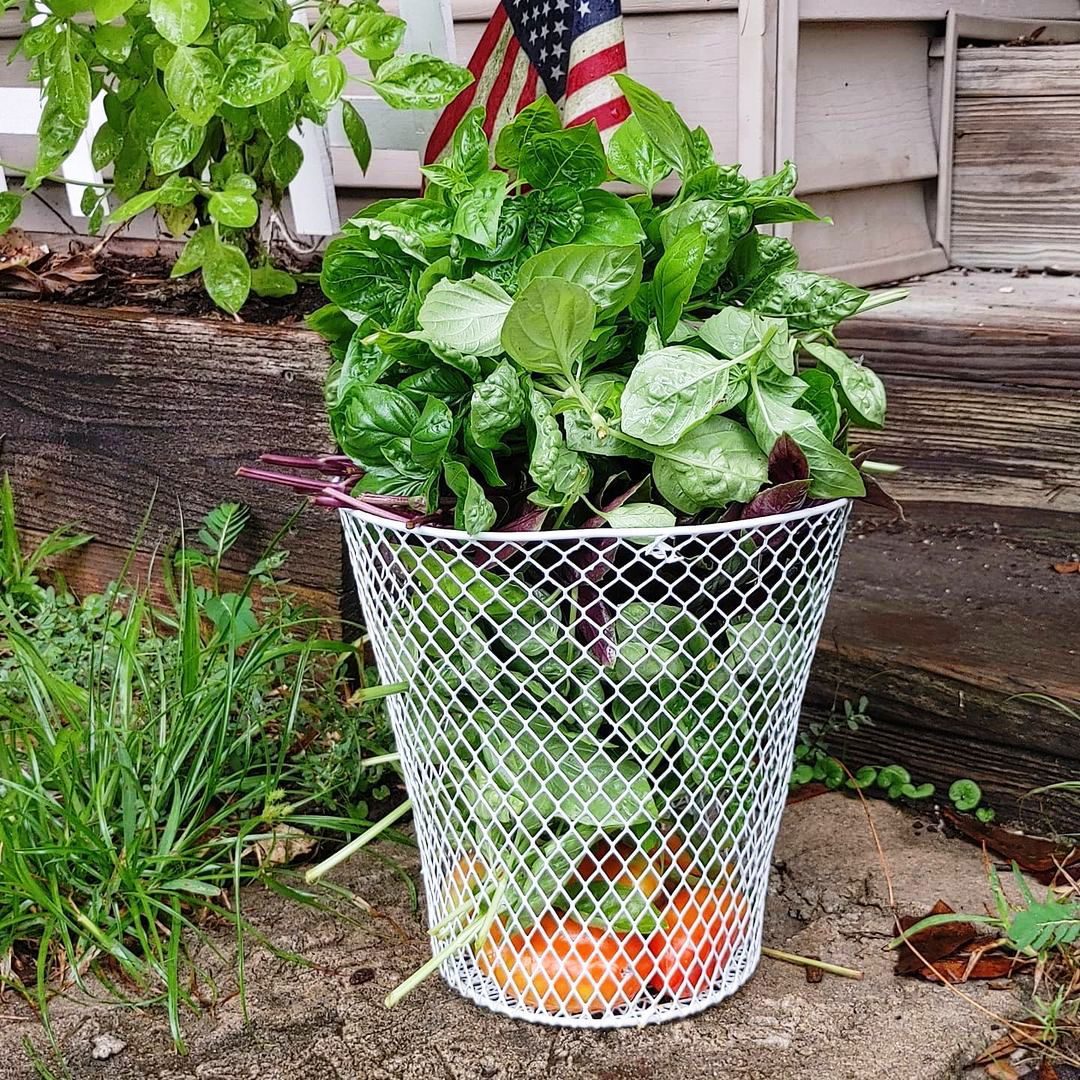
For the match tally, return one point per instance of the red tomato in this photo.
(699, 933)
(561, 964)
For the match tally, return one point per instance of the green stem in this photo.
(477, 931)
(9, 166)
(880, 299)
(382, 759)
(354, 846)
(806, 961)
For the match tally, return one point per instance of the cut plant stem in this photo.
(382, 759)
(477, 930)
(353, 846)
(807, 961)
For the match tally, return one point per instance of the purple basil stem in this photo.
(787, 461)
(303, 485)
(352, 503)
(483, 553)
(594, 628)
(590, 557)
(331, 464)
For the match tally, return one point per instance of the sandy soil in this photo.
(827, 898)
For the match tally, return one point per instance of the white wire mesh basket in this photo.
(596, 737)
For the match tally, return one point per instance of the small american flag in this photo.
(568, 48)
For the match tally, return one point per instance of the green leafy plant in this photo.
(152, 759)
(203, 100)
(519, 336)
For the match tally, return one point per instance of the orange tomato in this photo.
(623, 865)
(562, 965)
(699, 932)
(466, 877)
(678, 852)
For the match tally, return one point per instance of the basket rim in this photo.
(547, 535)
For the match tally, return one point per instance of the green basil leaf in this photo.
(69, 84)
(268, 281)
(472, 511)
(326, 77)
(469, 153)
(574, 156)
(176, 143)
(754, 259)
(713, 464)
(235, 209)
(736, 332)
(608, 220)
(672, 390)
(278, 115)
(633, 157)
(105, 146)
(604, 390)
(107, 10)
(549, 325)
(256, 76)
(10, 205)
(114, 42)
(863, 393)
(675, 276)
(56, 138)
(538, 118)
(714, 219)
(497, 407)
(372, 34)
(662, 125)
(430, 436)
(832, 474)
(553, 217)
(180, 21)
(226, 276)
(807, 300)
(478, 210)
(419, 81)
(234, 40)
(285, 160)
(639, 516)
(561, 475)
(820, 400)
(466, 315)
(136, 205)
(357, 133)
(610, 275)
(369, 278)
(782, 182)
(369, 418)
(193, 83)
(783, 208)
(194, 253)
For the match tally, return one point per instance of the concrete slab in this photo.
(828, 898)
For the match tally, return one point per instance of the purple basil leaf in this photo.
(779, 499)
(876, 495)
(787, 461)
(594, 629)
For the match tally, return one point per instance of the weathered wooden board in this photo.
(105, 411)
(862, 116)
(1014, 157)
(939, 624)
(978, 326)
(981, 443)
(880, 234)
(998, 71)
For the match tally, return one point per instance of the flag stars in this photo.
(533, 35)
(559, 28)
(557, 50)
(561, 6)
(556, 71)
(543, 54)
(583, 8)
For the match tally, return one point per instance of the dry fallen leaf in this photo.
(287, 843)
(1022, 1033)
(1002, 1070)
(1067, 567)
(1033, 854)
(933, 944)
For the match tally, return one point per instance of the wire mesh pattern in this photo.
(597, 738)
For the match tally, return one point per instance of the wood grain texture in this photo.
(981, 443)
(892, 10)
(105, 411)
(1015, 174)
(977, 326)
(1000, 71)
(863, 118)
(939, 622)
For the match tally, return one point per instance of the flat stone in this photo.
(828, 898)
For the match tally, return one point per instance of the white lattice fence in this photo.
(311, 194)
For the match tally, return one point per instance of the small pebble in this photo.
(105, 1046)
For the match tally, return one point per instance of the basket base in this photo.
(463, 977)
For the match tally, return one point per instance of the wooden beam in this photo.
(106, 411)
(891, 10)
(977, 327)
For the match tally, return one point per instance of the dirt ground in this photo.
(827, 898)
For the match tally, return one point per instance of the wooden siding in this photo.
(1016, 148)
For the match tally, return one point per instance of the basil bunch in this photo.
(202, 99)
(519, 337)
